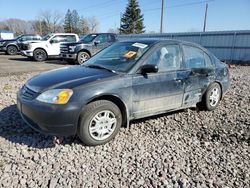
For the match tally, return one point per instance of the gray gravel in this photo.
(183, 149)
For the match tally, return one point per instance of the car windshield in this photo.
(88, 38)
(46, 37)
(18, 37)
(119, 57)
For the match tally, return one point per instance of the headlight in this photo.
(29, 46)
(2, 43)
(55, 96)
(72, 48)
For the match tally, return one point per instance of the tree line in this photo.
(53, 21)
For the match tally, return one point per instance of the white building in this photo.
(6, 34)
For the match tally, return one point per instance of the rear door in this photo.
(196, 84)
(162, 91)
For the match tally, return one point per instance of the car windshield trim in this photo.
(89, 38)
(100, 67)
(119, 57)
(46, 37)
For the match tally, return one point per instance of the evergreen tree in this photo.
(68, 22)
(132, 19)
(76, 22)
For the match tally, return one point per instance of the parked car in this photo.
(12, 46)
(48, 47)
(125, 81)
(88, 46)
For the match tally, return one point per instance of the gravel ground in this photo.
(183, 149)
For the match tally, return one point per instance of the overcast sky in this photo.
(180, 15)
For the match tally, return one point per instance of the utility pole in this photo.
(205, 19)
(162, 15)
(120, 23)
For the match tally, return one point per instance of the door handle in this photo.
(178, 80)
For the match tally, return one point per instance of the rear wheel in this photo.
(12, 50)
(100, 122)
(40, 55)
(211, 98)
(82, 57)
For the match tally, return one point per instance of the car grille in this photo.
(27, 93)
(64, 49)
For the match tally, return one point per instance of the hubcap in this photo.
(102, 125)
(214, 97)
(12, 50)
(84, 57)
(40, 55)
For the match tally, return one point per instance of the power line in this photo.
(180, 5)
(96, 5)
(154, 9)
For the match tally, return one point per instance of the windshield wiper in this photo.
(100, 67)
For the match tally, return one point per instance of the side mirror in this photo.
(149, 69)
(97, 42)
(201, 71)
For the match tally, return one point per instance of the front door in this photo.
(162, 91)
(100, 42)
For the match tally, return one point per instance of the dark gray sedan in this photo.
(126, 81)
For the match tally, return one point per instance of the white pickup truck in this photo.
(48, 47)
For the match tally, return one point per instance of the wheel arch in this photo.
(11, 44)
(84, 50)
(40, 48)
(117, 101)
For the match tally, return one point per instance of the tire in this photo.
(211, 98)
(82, 57)
(39, 55)
(12, 50)
(109, 119)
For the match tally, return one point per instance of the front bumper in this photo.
(27, 53)
(68, 56)
(58, 120)
(3, 48)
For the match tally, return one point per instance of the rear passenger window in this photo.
(70, 38)
(196, 58)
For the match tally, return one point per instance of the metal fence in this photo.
(226, 45)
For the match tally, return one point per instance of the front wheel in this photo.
(100, 122)
(39, 55)
(12, 50)
(211, 98)
(82, 57)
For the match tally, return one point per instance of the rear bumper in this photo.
(27, 53)
(59, 120)
(68, 56)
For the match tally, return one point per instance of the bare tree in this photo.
(93, 24)
(111, 30)
(85, 26)
(18, 26)
(53, 20)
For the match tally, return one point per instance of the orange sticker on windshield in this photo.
(130, 54)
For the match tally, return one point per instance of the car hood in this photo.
(76, 43)
(8, 40)
(67, 77)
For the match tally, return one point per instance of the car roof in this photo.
(153, 41)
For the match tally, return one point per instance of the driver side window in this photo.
(166, 57)
(102, 38)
